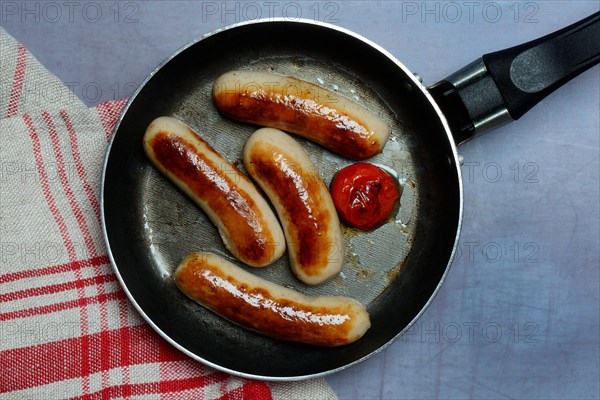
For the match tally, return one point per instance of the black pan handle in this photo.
(500, 87)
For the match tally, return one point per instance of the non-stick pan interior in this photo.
(150, 226)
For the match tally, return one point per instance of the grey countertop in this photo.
(518, 315)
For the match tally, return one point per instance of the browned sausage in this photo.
(302, 201)
(245, 221)
(265, 307)
(303, 108)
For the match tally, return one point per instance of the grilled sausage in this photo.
(302, 201)
(265, 307)
(303, 108)
(245, 221)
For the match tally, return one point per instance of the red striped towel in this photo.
(66, 327)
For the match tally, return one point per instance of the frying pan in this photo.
(395, 271)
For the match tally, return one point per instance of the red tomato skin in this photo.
(364, 195)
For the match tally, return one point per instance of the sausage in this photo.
(268, 308)
(303, 108)
(246, 223)
(302, 201)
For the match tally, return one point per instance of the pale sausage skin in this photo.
(270, 309)
(302, 201)
(337, 123)
(246, 223)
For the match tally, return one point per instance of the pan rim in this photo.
(166, 61)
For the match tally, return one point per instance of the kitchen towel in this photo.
(67, 329)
